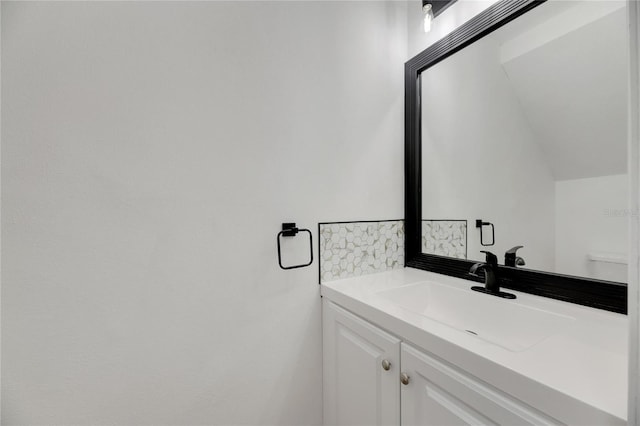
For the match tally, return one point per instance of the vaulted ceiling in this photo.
(569, 74)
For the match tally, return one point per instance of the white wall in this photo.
(481, 159)
(592, 217)
(150, 152)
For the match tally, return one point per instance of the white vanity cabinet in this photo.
(435, 393)
(360, 371)
(414, 388)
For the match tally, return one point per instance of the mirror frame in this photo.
(607, 295)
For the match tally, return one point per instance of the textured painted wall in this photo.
(150, 152)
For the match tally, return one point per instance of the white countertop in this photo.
(580, 369)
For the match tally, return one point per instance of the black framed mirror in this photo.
(497, 25)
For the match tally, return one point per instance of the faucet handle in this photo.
(492, 259)
(511, 259)
(513, 250)
(473, 271)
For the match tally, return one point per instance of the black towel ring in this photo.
(481, 224)
(290, 230)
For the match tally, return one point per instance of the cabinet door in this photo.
(439, 394)
(358, 390)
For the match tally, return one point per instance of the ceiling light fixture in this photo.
(431, 9)
(427, 11)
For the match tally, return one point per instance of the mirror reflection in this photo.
(524, 144)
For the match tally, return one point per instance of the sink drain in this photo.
(472, 332)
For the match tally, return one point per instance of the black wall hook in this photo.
(290, 230)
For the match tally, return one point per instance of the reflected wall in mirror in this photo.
(526, 128)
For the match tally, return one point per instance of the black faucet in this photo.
(491, 281)
(511, 259)
(489, 268)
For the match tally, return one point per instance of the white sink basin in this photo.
(503, 322)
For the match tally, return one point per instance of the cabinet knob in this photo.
(386, 365)
(404, 378)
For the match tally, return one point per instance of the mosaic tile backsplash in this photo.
(445, 238)
(357, 248)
